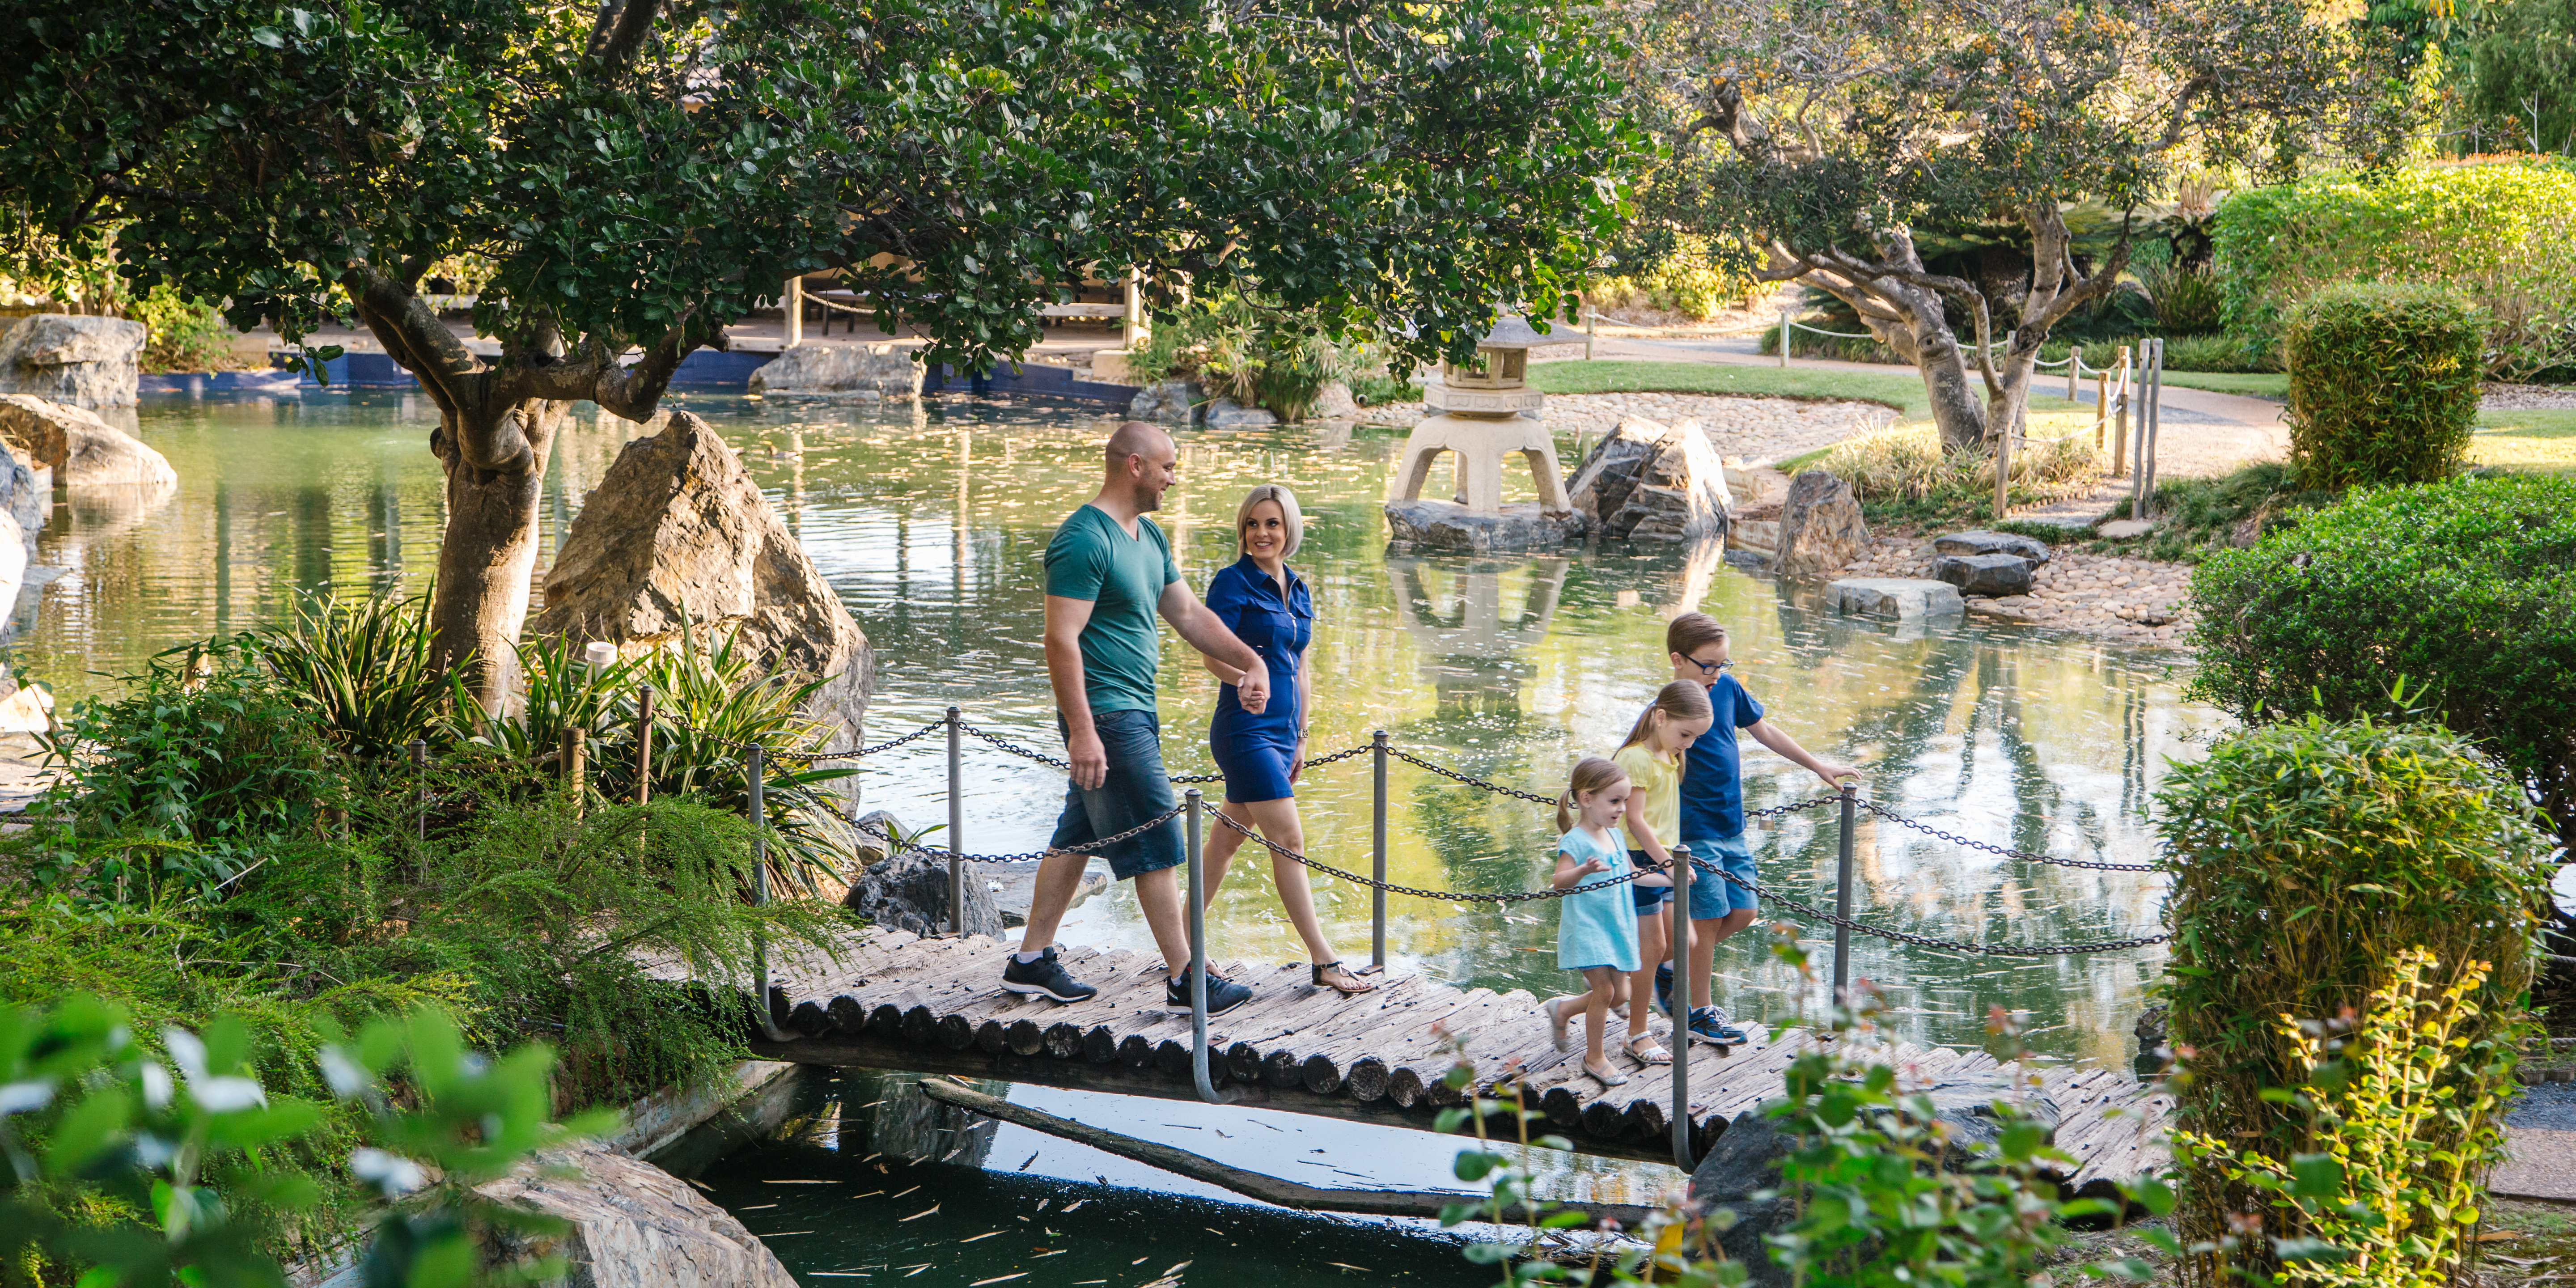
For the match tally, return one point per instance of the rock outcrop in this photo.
(865, 372)
(1225, 413)
(1821, 528)
(910, 892)
(83, 361)
(1903, 598)
(1648, 482)
(1170, 402)
(632, 1225)
(1449, 526)
(1334, 402)
(677, 537)
(1988, 575)
(1982, 542)
(81, 449)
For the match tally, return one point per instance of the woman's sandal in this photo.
(1654, 1052)
(1354, 985)
(1605, 1075)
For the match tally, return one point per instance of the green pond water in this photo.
(930, 523)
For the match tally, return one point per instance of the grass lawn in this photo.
(2542, 440)
(2274, 385)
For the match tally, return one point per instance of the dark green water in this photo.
(930, 524)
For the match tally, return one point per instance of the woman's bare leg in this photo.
(1280, 824)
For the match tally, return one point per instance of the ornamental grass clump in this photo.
(2384, 384)
(2309, 860)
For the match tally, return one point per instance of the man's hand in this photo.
(1090, 759)
(1253, 690)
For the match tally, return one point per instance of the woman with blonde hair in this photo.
(1266, 604)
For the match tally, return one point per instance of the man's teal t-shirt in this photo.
(1093, 558)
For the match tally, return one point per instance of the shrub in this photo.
(1686, 279)
(2462, 588)
(1243, 348)
(2384, 384)
(2185, 296)
(2307, 857)
(183, 334)
(2503, 235)
(1904, 469)
(365, 670)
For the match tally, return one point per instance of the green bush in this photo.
(1686, 279)
(2463, 588)
(2504, 235)
(182, 334)
(365, 670)
(2185, 296)
(2384, 384)
(2307, 858)
(1243, 348)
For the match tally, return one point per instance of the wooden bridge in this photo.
(935, 1005)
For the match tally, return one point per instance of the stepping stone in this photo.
(1903, 598)
(1992, 575)
(2123, 529)
(1982, 542)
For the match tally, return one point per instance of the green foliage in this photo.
(1685, 279)
(1246, 349)
(2522, 76)
(2198, 516)
(2384, 383)
(2185, 296)
(2307, 858)
(2504, 235)
(2396, 1148)
(1378, 388)
(2462, 588)
(1906, 468)
(366, 671)
(2183, 353)
(185, 334)
(121, 1173)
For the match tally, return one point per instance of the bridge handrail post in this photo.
(956, 828)
(754, 774)
(643, 744)
(420, 787)
(1377, 870)
(1198, 956)
(1681, 987)
(1843, 892)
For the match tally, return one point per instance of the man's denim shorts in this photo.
(1136, 789)
(1713, 896)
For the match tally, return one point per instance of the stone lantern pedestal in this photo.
(1482, 414)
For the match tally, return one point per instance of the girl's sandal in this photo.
(1556, 1022)
(1606, 1075)
(1652, 1052)
(1348, 985)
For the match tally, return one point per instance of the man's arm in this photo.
(1778, 739)
(1065, 619)
(1208, 635)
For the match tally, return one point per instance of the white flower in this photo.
(347, 1077)
(392, 1174)
(156, 1084)
(21, 1097)
(226, 1095)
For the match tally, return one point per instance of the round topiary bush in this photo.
(2464, 591)
(2306, 858)
(2383, 383)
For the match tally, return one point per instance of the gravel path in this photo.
(2133, 599)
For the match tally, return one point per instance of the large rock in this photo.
(1334, 402)
(865, 372)
(1820, 526)
(1449, 526)
(910, 892)
(1648, 482)
(80, 449)
(1990, 575)
(1903, 598)
(632, 1225)
(678, 537)
(1982, 542)
(84, 361)
(1167, 403)
(1225, 413)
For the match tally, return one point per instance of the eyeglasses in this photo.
(1710, 668)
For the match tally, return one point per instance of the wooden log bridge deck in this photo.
(895, 1000)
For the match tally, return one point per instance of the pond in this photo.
(930, 522)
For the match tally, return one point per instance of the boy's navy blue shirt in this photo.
(1713, 777)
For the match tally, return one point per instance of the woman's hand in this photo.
(1297, 763)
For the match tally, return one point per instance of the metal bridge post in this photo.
(754, 774)
(1682, 875)
(956, 830)
(1843, 894)
(1377, 842)
(1198, 957)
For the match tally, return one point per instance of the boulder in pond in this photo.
(1988, 575)
(1169, 402)
(1649, 482)
(858, 371)
(1334, 402)
(1821, 528)
(1225, 413)
(1903, 598)
(629, 1224)
(677, 537)
(80, 449)
(60, 357)
(1982, 542)
(910, 892)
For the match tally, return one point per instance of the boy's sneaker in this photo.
(1709, 1024)
(1044, 977)
(1664, 989)
(1223, 994)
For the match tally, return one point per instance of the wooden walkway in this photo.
(898, 1001)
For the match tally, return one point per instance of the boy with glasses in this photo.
(1712, 818)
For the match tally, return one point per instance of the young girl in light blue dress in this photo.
(1596, 930)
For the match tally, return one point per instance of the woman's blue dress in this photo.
(1255, 751)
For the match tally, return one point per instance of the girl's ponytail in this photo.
(1679, 700)
(1565, 811)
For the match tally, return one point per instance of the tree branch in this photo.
(413, 336)
(618, 34)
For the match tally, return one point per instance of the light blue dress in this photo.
(1596, 927)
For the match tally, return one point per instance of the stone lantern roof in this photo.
(1495, 382)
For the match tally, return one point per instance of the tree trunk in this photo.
(488, 560)
(1952, 388)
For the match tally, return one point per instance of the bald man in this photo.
(1109, 571)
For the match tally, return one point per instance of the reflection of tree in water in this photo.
(886, 1113)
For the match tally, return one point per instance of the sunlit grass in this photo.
(2541, 440)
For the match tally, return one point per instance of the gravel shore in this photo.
(2141, 600)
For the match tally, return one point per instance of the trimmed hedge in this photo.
(2464, 591)
(2503, 234)
(2383, 384)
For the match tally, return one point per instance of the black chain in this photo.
(1926, 941)
(2006, 851)
(1451, 896)
(1470, 780)
(1087, 847)
(808, 759)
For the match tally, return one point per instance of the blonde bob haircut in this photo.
(1294, 520)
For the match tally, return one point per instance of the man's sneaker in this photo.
(1223, 994)
(1044, 977)
(1709, 1024)
(1664, 989)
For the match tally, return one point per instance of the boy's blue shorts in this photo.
(1713, 896)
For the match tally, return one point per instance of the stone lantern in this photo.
(1482, 411)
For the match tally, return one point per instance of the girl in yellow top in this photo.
(1653, 757)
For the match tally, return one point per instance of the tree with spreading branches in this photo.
(1818, 135)
(642, 173)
